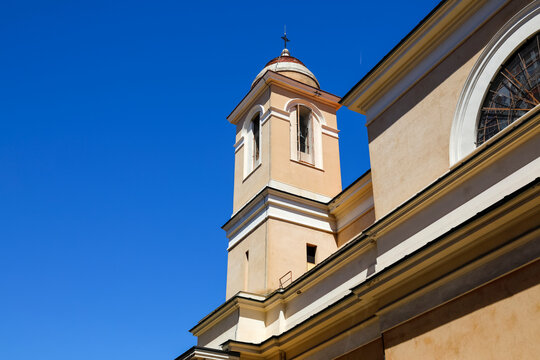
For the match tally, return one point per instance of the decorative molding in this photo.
(418, 53)
(277, 205)
(297, 191)
(204, 353)
(298, 101)
(275, 112)
(360, 187)
(509, 38)
(327, 130)
(239, 144)
(353, 214)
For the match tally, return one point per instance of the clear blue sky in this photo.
(110, 246)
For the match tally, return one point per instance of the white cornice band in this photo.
(330, 132)
(466, 16)
(280, 206)
(239, 144)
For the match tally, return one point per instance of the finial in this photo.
(284, 37)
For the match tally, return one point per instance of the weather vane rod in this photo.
(284, 37)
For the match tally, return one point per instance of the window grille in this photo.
(304, 133)
(513, 92)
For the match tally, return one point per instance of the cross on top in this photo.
(285, 39)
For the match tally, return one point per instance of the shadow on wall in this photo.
(481, 298)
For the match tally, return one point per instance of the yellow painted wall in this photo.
(255, 243)
(275, 247)
(409, 142)
(287, 249)
(500, 320)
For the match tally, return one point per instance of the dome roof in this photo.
(291, 67)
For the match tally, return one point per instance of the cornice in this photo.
(242, 299)
(276, 204)
(198, 352)
(347, 198)
(451, 23)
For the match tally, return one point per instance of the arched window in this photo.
(513, 92)
(256, 145)
(502, 84)
(306, 122)
(251, 133)
(304, 132)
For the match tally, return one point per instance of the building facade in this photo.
(433, 253)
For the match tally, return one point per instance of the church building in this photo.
(431, 254)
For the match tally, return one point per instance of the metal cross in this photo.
(284, 37)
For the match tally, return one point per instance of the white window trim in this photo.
(247, 136)
(507, 40)
(317, 129)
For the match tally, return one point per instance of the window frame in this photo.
(317, 121)
(250, 164)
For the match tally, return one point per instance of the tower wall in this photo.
(269, 232)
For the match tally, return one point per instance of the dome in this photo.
(290, 67)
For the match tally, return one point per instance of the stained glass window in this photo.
(513, 92)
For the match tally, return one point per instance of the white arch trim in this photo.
(318, 114)
(508, 39)
(247, 120)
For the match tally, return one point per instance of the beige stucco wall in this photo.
(409, 142)
(325, 181)
(275, 247)
(246, 188)
(498, 321)
(255, 243)
(287, 249)
(355, 227)
(413, 151)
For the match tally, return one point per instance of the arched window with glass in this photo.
(513, 91)
(304, 133)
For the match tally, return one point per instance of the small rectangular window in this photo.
(311, 250)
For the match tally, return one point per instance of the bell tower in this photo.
(286, 170)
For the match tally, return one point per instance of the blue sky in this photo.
(116, 160)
